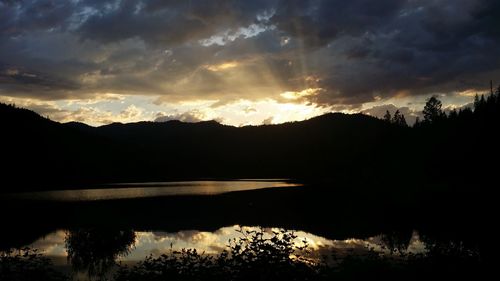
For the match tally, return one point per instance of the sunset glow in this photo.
(250, 60)
(151, 140)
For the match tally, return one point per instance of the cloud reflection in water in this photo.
(156, 243)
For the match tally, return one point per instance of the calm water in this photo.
(157, 189)
(80, 253)
(156, 243)
(104, 232)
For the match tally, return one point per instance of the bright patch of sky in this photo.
(108, 108)
(78, 18)
(449, 100)
(229, 35)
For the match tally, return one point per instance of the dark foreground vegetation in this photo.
(454, 148)
(27, 265)
(254, 256)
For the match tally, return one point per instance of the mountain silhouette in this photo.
(335, 147)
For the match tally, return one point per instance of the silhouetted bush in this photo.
(250, 257)
(27, 265)
(254, 257)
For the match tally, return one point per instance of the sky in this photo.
(244, 62)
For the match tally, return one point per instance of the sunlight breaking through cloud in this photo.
(311, 53)
(295, 95)
(222, 66)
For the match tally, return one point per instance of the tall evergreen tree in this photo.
(402, 121)
(476, 101)
(453, 114)
(387, 116)
(399, 119)
(395, 118)
(417, 122)
(432, 110)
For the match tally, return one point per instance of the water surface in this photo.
(156, 189)
(156, 243)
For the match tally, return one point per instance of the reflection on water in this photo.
(156, 243)
(128, 191)
(96, 253)
(95, 250)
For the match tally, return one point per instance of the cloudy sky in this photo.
(243, 62)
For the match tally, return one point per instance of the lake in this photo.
(128, 222)
(154, 189)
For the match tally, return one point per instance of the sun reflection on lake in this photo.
(144, 190)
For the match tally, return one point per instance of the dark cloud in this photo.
(429, 47)
(268, 121)
(319, 22)
(19, 17)
(354, 50)
(169, 22)
(14, 79)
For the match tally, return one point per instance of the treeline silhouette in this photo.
(454, 148)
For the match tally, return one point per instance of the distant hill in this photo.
(38, 152)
